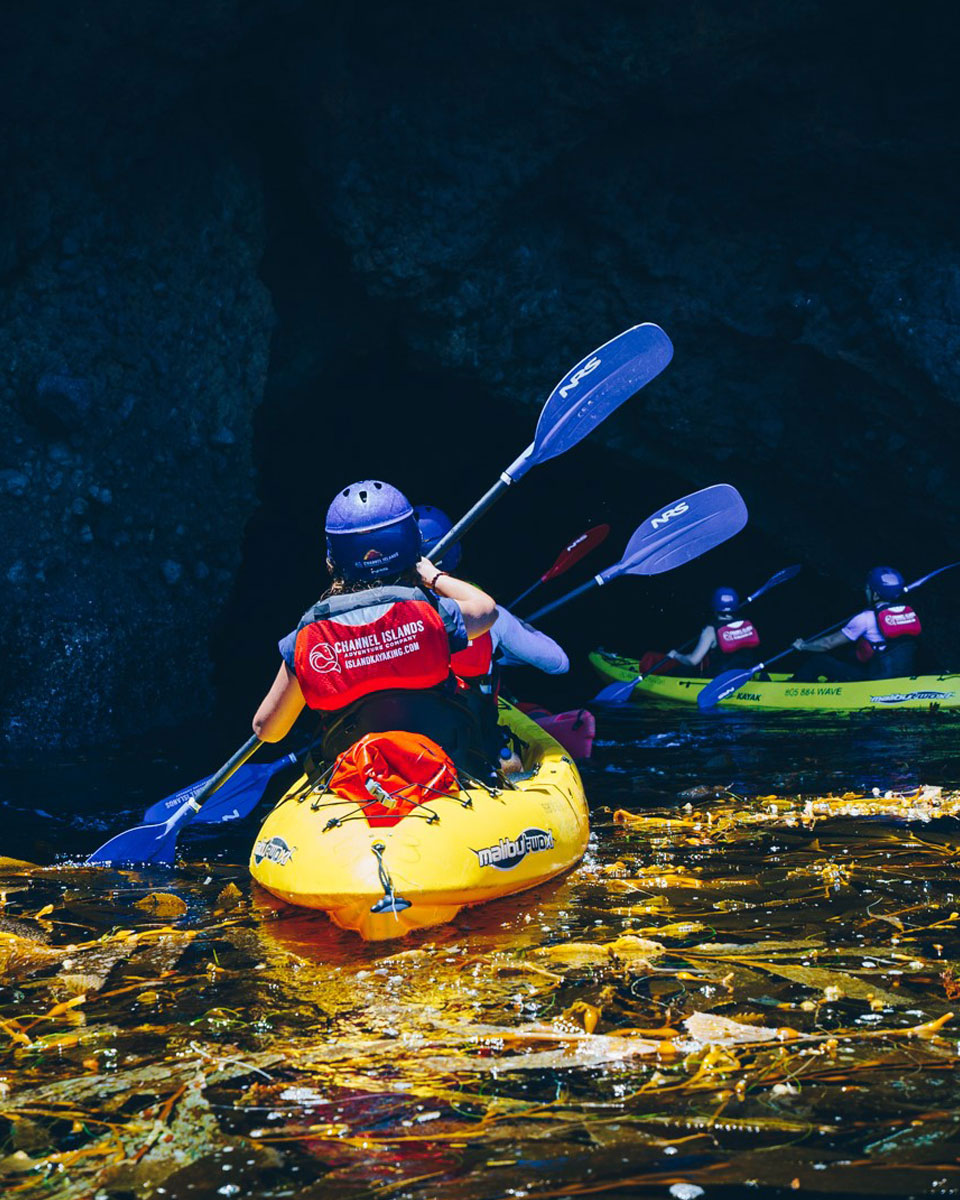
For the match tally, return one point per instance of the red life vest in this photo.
(349, 646)
(899, 620)
(893, 621)
(736, 635)
(476, 661)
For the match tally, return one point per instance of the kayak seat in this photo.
(439, 715)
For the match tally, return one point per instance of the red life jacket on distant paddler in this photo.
(349, 646)
(736, 635)
(476, 661)
(893, 621)
(899, 620)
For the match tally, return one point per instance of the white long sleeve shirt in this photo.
(518, 644)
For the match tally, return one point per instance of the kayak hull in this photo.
(316, 850)
(782, 692)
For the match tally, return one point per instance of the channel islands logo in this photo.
(510, 852)
(323, 658)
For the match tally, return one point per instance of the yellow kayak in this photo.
(316, 849)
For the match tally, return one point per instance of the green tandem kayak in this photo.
(782, 692)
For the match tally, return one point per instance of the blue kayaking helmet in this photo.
(724, 601)
(435, 524)
(885, 583)
(371, 532)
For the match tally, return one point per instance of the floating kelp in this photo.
(713, 984)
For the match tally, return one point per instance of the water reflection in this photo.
(736, 986)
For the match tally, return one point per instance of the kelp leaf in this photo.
(627, 948)
(820, 979)
(162, 904)
(21, 956)
(585, 1052)
(13, 866)
(710, 1028)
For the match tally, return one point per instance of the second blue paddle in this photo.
(672, 536)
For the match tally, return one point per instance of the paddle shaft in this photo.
(910, 587)
(596, 581)
(469, 519)
(666, 658)
(523, 595)
(587, 395)
(247, 750)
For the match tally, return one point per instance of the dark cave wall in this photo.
(219, 216)
(134, 330)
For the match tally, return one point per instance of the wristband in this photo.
(432, 585)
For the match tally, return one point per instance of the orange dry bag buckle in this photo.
(391, 774)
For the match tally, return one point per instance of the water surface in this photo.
(744, 988)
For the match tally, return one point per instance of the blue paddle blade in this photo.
(616, 693)
(725, 685)
(236, 798)
(688, 528)
(783, 576)
(154, 844)
(595, 388)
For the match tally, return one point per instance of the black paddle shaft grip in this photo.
(584, 587)
(247, 750)
(470, 518)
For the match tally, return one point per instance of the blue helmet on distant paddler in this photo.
(435, 524)
(885, 583)
(724, 601)
(372, 532)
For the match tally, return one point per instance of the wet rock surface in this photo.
(482, 197)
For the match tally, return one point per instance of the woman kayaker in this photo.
(883, 636)
(374, 653)
(736, 641)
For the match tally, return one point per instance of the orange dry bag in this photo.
(391, 774)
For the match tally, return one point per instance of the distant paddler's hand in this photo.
(799, 644)
(674, 654)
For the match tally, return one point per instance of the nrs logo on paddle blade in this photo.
(582, 373)
(666, 517)
(509, 852)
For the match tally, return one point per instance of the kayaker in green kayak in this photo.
(374, 653)
(880, 641)
(734, 640)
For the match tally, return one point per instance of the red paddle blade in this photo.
(579, 548)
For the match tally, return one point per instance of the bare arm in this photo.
(823, 644)
(279, 708)
(479, 610)
(700, 651)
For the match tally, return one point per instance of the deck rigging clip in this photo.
(391, 902)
